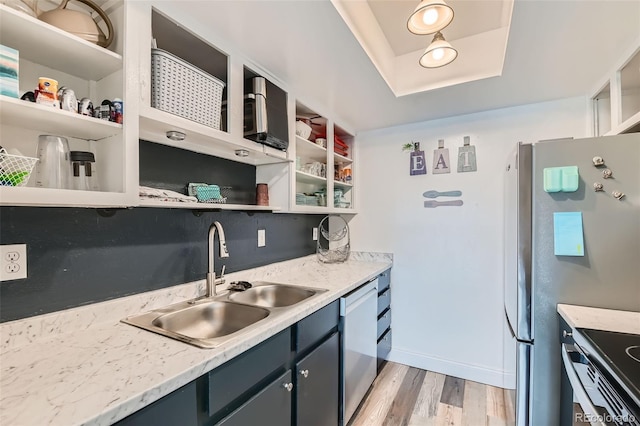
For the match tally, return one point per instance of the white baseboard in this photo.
(476, 373)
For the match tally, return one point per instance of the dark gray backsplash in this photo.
(76, 257)
(165, 167)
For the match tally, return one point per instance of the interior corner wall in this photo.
(447, 300)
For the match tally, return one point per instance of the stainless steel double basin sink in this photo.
(209, 322)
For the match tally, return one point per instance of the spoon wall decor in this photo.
(435, 194)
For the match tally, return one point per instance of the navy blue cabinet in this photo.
(384, 316)
(318, 381)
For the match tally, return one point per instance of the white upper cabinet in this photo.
(92, 72)
(193, 64)
(322, 178)
(616, 102)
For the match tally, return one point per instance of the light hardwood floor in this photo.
(403, 395)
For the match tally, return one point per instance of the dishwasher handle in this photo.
(362, 299)
(349, 302)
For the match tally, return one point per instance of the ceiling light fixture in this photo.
(430, 17)
(439, 53)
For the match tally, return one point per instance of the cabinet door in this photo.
(318, 385)
(270, 407)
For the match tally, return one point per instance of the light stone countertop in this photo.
(83, 366)
(600, 319)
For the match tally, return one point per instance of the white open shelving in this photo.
(616, 98)
(123, 71)
(16, 112)
(204, 206)
(40, 42)
(89, 69)
(309, 178)
(155, 123)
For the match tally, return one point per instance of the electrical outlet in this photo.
(13, 258)
(261, 238)
(315, 234)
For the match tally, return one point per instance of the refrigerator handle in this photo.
(506, 316)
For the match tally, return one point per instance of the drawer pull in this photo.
(288, 386)
(304, 373)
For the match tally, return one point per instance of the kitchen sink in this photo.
(272, 295)
(208, 322)
(205, 323)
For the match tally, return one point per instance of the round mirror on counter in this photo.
(334, 242)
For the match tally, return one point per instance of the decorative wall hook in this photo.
(606, 173)
(598, 187)
(598, 161)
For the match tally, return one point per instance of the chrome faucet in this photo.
(212, 281)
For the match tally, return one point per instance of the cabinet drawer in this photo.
(384, 321)
(317, 325)
(384, 300)
(384, 346)
(177, 408)
(242, 373)
(384, 279)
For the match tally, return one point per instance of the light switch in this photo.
(261, 238)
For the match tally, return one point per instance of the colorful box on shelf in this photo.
(9, 71)
(339, 147)
(206, 193)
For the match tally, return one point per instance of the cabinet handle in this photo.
(288, 386)
(304, 373)
(565, 334)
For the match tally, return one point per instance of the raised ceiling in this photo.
(479, 32)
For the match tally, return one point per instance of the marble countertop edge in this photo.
(600, 319)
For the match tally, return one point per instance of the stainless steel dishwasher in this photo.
(359, 311)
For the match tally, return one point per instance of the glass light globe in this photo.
(430, 16)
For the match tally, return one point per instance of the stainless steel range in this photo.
(604, 370)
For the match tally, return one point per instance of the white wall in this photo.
(447, 303)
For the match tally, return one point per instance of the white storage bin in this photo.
(180, 88)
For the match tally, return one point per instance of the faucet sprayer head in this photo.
(221, 238)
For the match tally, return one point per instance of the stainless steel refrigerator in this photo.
(607, 275)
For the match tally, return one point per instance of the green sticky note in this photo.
(568, 238)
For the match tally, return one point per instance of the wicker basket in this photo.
(15, 170)
(180, 88)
